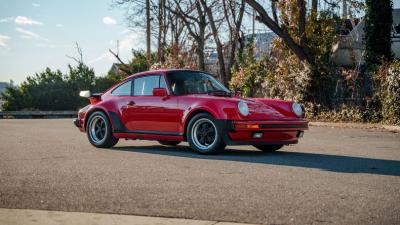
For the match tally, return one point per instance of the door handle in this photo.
(131, 103)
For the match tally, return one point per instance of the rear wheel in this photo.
(203, 134)
(170, 143)
(268, 148)
(99, 131)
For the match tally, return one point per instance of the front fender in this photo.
(220, 110)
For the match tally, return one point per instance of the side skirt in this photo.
(120, 131)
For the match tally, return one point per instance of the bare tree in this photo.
(176, 25)
(233, 12)
(79, 50)
(299, 49)
(124, 67)
(194, 18)
(215, 32)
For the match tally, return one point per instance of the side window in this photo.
(124, 89)
(163, 84)
(143, 86)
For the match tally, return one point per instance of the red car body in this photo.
(164, 116)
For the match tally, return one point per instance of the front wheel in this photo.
(99, 131)
(268, 148)
(203, 134)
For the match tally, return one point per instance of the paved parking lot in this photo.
(334, 176)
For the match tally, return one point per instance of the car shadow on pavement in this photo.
(333, 163)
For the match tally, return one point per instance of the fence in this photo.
(36, 114)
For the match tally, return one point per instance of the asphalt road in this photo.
(334, 176)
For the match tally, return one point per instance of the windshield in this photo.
(193, 82)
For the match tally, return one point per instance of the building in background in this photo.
(349, 51)
(262, 41)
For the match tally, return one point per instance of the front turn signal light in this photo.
(247, 126)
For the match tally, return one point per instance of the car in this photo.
(172, 106)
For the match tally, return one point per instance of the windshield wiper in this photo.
(220, 93)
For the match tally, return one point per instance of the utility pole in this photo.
(148, 20)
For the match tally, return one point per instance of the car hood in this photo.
(258, 110)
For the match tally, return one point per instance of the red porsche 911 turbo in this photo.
(172, 106)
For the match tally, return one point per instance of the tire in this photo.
(203, 134)
(170, 143)
(268, 148)
(99, 131)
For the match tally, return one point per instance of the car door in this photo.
(150, 114)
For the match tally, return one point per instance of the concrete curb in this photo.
(44, 217)
(395, 129)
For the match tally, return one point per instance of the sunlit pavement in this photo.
(335, 175)
(42, 217)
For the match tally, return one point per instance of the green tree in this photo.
(53, 90)
(378, 25)
(80, 77)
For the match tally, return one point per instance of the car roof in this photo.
(162, 71)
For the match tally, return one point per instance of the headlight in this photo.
(296, 108)
(243, 108)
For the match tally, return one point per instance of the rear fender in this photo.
(94, 109)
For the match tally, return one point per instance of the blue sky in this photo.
(40, 33)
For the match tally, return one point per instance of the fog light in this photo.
(257, 135)
(300, 134)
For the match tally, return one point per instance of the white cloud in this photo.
(109, 20)
(22, 20)
(31, 35)
(59, 25)
(3, 41)
(36, 5)
(6, 20)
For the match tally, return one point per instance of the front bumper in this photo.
(262, 132)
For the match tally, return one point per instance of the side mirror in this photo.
(161, 92)
(238, 93)
(85, 94)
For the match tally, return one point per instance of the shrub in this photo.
(387, 85)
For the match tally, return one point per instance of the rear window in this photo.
(124, 89)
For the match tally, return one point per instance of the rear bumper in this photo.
(76, 122)
(262, 132)
(79, 124)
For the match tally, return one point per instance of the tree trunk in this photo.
(235, 32)
(161, 30)
(201, 36)
(148, 20)
(220, 52)
(301, 5)
(314, 6)
(200, 54)
(300, 51)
